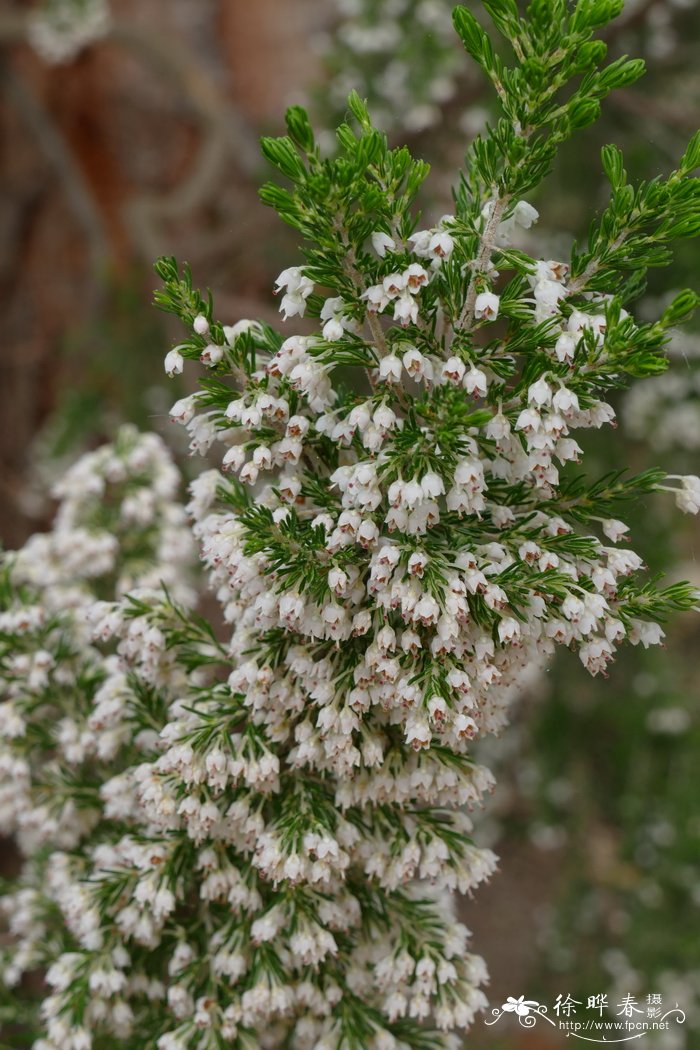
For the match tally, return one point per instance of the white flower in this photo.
(234, 458)
(547, 295)
(174, 363)
(688, 496)
(415, 277)
(486, 306)
(231, 332)
(418, 733)
(646, 632)
(432, 485)
(183, 410)
(498, 426)
(427, 610)
(615, 530)
(475, 382)
(367, 534)
(465, 727)
(332, 312)
(211, 355)
(406, 309)
(377, 298)
(539, 394)
(417, 563)
(525, 215)
(291, 279)
(565, 347)
(441, 244)
(385, 418)
(565, 401)
(298, 289)
(393, 284)
(382, 242)
(390, 368)
(596, 654)
(453, 370)
(414, 363)
(421, 242)
(508, 629)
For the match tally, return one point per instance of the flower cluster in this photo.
(71, 711)
(397, 536)
(60, 29)
(401, 52)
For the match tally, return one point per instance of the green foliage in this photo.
(635, 231)
(554, 88)
(336, 203)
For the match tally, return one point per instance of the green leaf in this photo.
(613, 166)
(592, 14)
(681, 309)
(622, 73)
(589, 55)
(504, 15)
(359, 110)
(582, 112)
(691, 158)
(299, 127)
(282, 154)
(473, 37)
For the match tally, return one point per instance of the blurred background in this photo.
(129, 130)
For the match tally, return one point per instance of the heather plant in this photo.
(397, 536)
(71, 718)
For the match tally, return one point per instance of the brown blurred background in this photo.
(144, 144)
